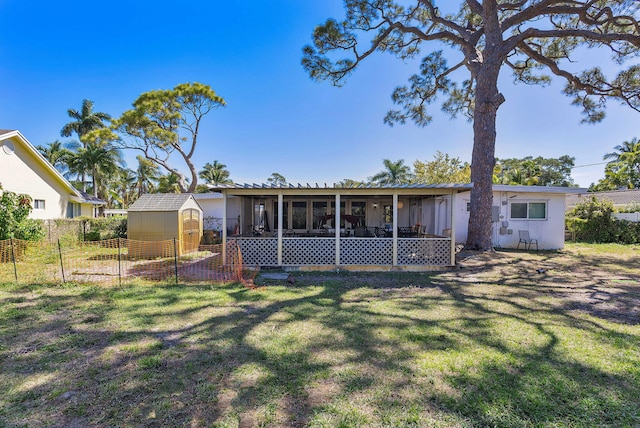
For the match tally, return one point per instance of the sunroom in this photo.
(403, 227)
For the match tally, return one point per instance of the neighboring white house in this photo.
(538, 209)
(24, 170)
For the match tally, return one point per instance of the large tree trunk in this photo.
(482, 163)
(487, 101)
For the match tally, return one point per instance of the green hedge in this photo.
(592, 221)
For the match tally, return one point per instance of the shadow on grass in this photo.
(333, 350)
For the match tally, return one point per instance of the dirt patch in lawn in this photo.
(605, 284)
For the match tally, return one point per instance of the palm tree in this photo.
(101, 161)
(625, 159)
(147, 176)
(169, 183)
(215, 173)
(394, 173)
(84, 121)
(57, 153)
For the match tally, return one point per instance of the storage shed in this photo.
(165, 217)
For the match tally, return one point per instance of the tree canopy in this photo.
(442, 169)
(534, 39)
(539, 171)
(168, 121)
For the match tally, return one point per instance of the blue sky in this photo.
(55, 54)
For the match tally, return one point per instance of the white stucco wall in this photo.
(549, 232)
(21, 172)
(212, 207)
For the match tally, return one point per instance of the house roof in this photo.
(538, 189)
(372, 189)
(462, 186)
(161, 202)
(76, 195)
(617, 197)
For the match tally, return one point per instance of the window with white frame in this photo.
(73, 210)
(533, 210)
(38, 204)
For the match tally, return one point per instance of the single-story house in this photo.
(24, 170)
(409, 227)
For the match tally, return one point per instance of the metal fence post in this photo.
(13, 257)
(119, 264)
(175, 259)
(61, 264)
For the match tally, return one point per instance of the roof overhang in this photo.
(538, 189)
(362, 190)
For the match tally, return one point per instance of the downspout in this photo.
(224, 227)
(279, 226)
(395, 230)
(337, 227)
(453, 228)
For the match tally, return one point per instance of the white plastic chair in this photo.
(526, 240)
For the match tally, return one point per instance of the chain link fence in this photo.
(117, 262)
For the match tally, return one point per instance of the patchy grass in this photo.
(510, 339)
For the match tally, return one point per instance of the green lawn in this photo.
(513, 339)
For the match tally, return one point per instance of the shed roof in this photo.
(161, 202)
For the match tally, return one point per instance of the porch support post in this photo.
(279, 226)
(453, 228)
(395, 229)
(337, 227)
(224, 227)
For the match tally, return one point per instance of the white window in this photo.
(528, 210)
(38, 204)
(73, 210)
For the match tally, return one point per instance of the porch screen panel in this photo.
(285, 217)
(299, 215)
(358, 209)
(319, 214)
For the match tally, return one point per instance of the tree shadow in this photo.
(352, 349)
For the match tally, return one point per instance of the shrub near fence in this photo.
(116, 262)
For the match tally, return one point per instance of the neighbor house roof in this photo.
(161, 202)
(76, 195)
(617, 197)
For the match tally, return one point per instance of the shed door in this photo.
(190, 229)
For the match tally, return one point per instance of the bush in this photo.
(96, 229)
(14, 221)
(592, 221)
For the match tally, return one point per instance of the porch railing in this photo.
(259, 251)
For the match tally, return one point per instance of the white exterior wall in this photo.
(212, 206)
(549, 232)
(21, 172)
